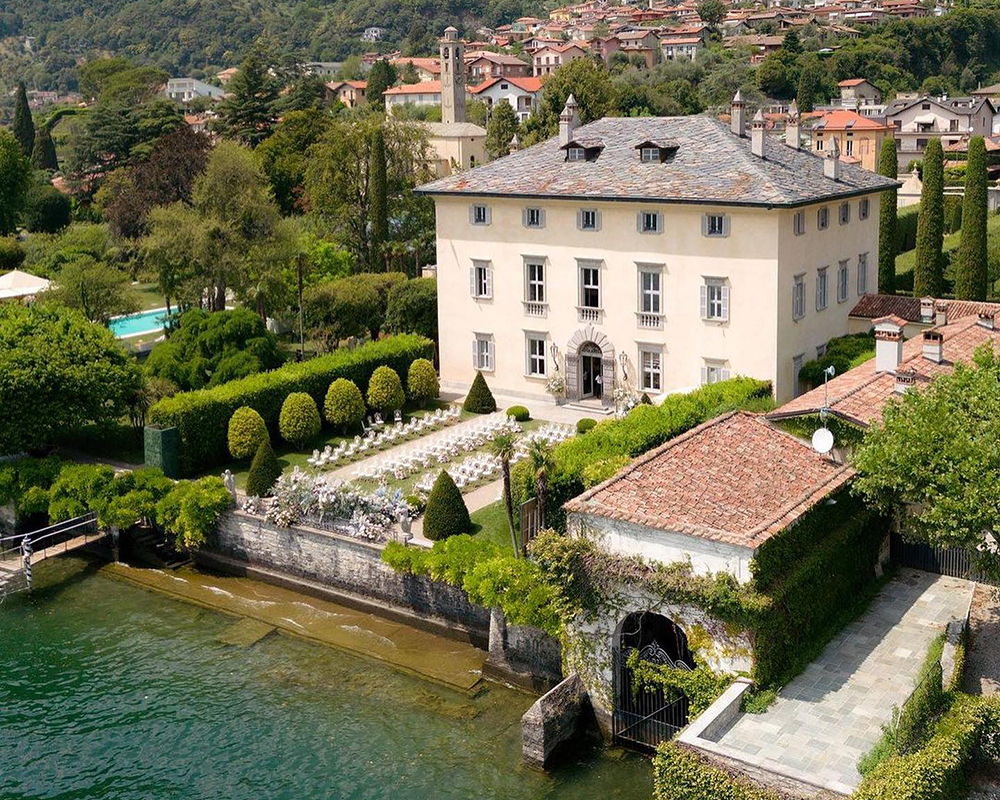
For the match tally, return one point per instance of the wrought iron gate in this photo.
(954, 561)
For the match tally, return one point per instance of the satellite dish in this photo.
(822, 440)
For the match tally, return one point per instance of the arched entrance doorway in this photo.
(591, 372)
(590, 366)
(645, 718)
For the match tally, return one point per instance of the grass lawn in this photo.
(149, 296)
(490, 523)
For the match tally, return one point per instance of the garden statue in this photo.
(230, 480)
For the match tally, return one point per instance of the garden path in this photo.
(832, 713)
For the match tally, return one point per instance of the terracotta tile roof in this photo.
(842, 120)
(424, 87)
(852, 82)
(860, 394)
(711, 165)
(873, 306)
(735, 479)
(527, 84)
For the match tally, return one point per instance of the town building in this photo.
(184, 90)
(917, 120)
(857, 92)
(322, 69)
(548, 58)
(351, 93)
(650, 255)
(483, 65)
(681, 46)
(859, 139)
(425, 93)
(521, 93)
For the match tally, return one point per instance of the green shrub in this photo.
(264, 471)
(47, 210)
(131, 497)
(73, 492)
(446, 513)
(416, 503)
(701, 686)
(906, 228)
(422, 381)
(480, 400)
(840, 353)
(190, 511)
(412, 308)
(246, 432)
(600, 471)
(299, 419)
(385, 390)
(11, 253)
(681, 775)
(25, 483)
(344, 407)
(585, 424)
(519, 413)
(201, 417)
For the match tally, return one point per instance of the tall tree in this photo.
(503, 126)
(23, 127)
(378, 194)
(591, 87)
(805, 92)
(15, 179)
(887, 165)
(248, 116)
(928, 279)
(381, 76)
(43, 156)
(712, 12)
(98, 290)
(971, 277)
(284, 156)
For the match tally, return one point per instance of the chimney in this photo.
(757, 134)
(940, 312)
(926, 309)
(569, 121)
(738, 115)
(934, 346)
(888, 343)
(515, 144)
(905, 380)
(831, 164)
(792, 129)
(987, 320)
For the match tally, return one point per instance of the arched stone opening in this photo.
(590, 366)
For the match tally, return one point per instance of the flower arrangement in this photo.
(556, 384)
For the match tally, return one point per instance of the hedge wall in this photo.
(679, 774)
(202, 417)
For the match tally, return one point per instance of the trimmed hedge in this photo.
(585, 424)
(202, 417)
(385, 390)
(344, 406)
(841, 352)
(480, 399)
(422, 381)
(681, 775)
(446, 513)
(519, 413)
(299, 419)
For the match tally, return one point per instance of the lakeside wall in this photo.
(351, 571)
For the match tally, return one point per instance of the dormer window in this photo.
(649, 154)
(576, 154)
(585, 149)
(656, 151)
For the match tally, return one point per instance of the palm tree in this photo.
(503, 447)
(538, 452)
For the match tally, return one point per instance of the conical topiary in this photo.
(480, 400)
(264, 471)
(446, 513)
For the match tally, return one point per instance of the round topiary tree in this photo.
(299, 419)
(446, 513)
(385, 390)
(519, 413)
(480, 400)
(344, 407)
(422, 381)
(246, 432)
(585, 424)
(264, 471)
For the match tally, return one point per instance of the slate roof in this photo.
(735, 479)
(860, 394)
(711, 165)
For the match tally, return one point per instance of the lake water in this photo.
(134, 324)
(109, 690)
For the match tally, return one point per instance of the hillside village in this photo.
(611, 395)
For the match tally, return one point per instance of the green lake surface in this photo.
(109, 690)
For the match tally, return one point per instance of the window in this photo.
(819, 141)
(796, 369)
(715, 300)
(864, 208)
(715, 225)
(482, 352)
(821, 351)
(649, 290)
(576, 154)
(479, 215)
(714, 371)
(588, 219)
(799, 297)
(533, 218)
(849, 150)
(862, 274)
(590, 286)
(534, 282)
(953, 125)
(842, 277)
(536, 354)
(650, 369)
(650, 222)
(821, 288)
(823, 218)
(845, 213)
(799, 224)
(481, 280)
(649, 154)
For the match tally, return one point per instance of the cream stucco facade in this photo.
(757, 261)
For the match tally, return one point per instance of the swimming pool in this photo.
(135, 324)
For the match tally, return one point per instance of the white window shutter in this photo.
(659, 222)
(704, 226)
(638, 222)
(472, 215)
(704, 301)
(725, 224)
(489, 349)
(541, 218)
(597, 220)
(489, 215)
(524, 217)
(579, 219)
(725, 302)
(704, 375)
(489, 281)
(724, 373)
(475, 353)
(472, 281)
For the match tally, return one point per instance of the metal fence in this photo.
(954, 561)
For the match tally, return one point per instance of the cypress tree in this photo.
(23, 128)
(43, 156)
(927, 274)
(971, 277)
(264, 471)
(378, 195)
(805, 92)
(887, 166)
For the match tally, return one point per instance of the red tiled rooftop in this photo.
(848, 120)
(735, 479)
(873, 306)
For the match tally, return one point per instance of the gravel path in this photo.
(982, 661)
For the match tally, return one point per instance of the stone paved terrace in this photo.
(832, 713)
